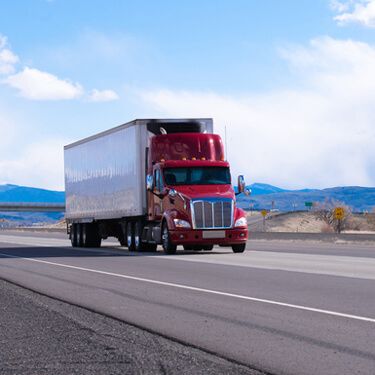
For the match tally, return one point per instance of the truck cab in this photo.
(190, 193)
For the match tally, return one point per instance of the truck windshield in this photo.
(197, 176)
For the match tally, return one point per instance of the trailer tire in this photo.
(239, 248)
(79, 234)
(138, 246)
(73, 235)
(91, 235)
(168, 246)
(130, 236)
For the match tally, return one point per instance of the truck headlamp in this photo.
(179, 223)
(241, 222)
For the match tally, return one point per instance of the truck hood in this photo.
(205, 191)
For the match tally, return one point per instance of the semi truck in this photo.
(153, 182)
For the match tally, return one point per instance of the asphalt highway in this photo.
(280, 307)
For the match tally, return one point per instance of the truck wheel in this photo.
(240, 248)
(79, 234)
(85, 236)
(122, 238)
(138, 236)
(130, 236)
(188, 247)
(73, 235)
(208, 247)
(91, 236)
(168, 247)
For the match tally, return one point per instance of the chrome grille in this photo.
(212, 214)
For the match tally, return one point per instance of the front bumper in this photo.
(196, 237)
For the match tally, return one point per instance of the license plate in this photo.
(213, 234)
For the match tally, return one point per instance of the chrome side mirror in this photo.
(150, 182)
(241, 184)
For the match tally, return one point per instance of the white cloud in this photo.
(355, 11)
(319, 135)
(37, 85)
(40, 165)
(7, 58)
(102, 96)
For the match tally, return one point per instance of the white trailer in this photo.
(105, 173)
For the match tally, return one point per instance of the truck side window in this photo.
(158, 181)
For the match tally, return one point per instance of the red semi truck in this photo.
(151, 182)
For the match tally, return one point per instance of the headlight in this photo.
(241, 222)
(179, 223)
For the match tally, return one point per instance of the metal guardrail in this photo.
(31, 207)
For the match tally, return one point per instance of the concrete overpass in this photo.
(31, 207)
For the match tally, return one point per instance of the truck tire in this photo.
(138, 236)
(188, 247)
(207, 247)
(79, 234)
(91, 236)
(73, 235)
(130, 236)
(239, 248)
(84, 235)
(168, 247)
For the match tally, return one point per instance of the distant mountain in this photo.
(14, 193)
(356, 197)
(260, 189)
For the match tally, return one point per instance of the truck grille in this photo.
(209, 214)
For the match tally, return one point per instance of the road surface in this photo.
(280, 307)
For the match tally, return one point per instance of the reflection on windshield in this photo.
(197, 176)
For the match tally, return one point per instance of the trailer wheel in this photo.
(85, 236)
(94, 238)
(138, 236)
(168, 247)
(73, 235)
(79, 234)
(130, 236)
(239, 248)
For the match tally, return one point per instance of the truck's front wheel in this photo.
(239, 248)
(168, 246)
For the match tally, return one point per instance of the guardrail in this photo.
(31, 207)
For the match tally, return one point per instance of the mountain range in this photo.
(15, 194)
(263, 196)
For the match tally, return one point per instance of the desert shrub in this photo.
(325, 212)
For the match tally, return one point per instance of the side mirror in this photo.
(150, 182)
(241, 184)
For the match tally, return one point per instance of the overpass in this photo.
(31, 207)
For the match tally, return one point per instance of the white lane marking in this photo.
(317, 264)
(209, 291)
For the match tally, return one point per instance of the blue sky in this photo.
(293, 82)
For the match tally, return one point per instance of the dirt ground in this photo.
(307, 222)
